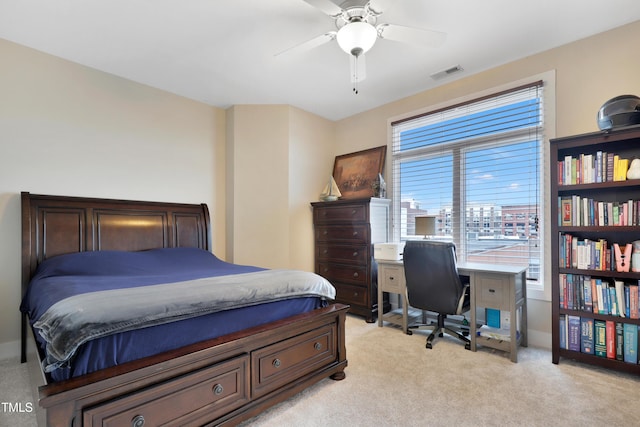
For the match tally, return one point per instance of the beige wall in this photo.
(281, 158)
(71, 130)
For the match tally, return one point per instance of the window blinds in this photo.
(476, 167)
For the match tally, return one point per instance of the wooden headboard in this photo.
(55, 225)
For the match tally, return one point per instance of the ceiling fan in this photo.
(357, 30)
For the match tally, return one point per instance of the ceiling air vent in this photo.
(447, 72)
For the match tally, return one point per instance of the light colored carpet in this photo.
(15, 395)
(392, 380)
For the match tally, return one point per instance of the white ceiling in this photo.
(222, 52)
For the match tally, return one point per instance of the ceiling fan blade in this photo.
(358, 68)
(327, 6)
(411, 35)
(379, 6)
(310, 44)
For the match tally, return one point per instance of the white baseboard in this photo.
(539, 339)
(10, 350)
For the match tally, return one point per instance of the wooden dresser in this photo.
(345, 231)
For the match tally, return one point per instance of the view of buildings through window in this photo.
(476, 168)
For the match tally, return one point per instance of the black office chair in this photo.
(433, 284)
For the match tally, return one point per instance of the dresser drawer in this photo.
(288, 360)
(352, 295)
(346, 254)
(358, 234)
(182, 401)
(356, 274)
(342, 214)
(493, 291)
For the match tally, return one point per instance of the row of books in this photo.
(582, 211)
(585, 254)
(591, 168)
(595, 295)
(610, 339)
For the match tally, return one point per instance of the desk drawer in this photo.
(493, 291)
(346, 254)
(391, 279)
(215, 391)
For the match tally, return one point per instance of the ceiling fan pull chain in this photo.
(355, 75)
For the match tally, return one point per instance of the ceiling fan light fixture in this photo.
(357, 38)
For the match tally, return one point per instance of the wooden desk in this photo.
(492, 286)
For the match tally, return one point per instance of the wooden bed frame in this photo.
(222, 381)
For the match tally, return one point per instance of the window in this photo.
(478, 167)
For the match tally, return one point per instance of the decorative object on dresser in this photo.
(356, 173)
(595, 296)
(331, 192)
(345, 232)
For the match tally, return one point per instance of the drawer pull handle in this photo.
(492, 290)
(317, 346)
(276, 363)
(355, 274)
(137, 421)
(218, 389)
(390, 277)
(355, 253)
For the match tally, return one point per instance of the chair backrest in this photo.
(432, 276)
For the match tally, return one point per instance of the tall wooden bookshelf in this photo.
(597, 225)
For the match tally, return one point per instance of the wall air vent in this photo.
(447, 72)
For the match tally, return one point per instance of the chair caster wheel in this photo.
(467, 346)
(409, 332)
(429, 345)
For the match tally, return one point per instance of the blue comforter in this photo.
(78, 297)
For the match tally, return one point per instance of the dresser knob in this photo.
(317, 346)
(218, 389)
(355, 294)
(356, 274)
(137, 421)
(276, 363)
(325, 232)
(355, 253)
(391, 278)
(353, 212)
(355, 233)
(325, 252)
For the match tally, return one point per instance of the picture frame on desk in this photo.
(356, 173)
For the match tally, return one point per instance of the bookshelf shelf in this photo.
(630, 183)
(585, 173)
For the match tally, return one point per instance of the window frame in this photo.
(541, 288)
